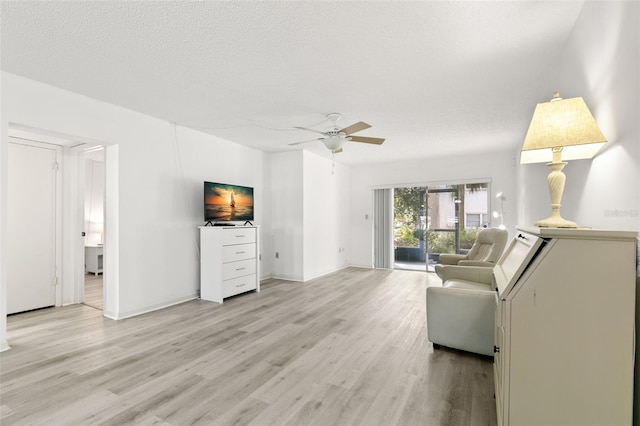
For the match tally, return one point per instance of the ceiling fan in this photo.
(334, 137)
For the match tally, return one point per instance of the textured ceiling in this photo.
(434, 78)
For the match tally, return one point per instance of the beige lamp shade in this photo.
(562, 123)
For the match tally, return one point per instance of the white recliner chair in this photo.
(486, 250)
(460, 314)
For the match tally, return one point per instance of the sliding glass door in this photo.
(435, 219)
(443, 232)
(410, 224)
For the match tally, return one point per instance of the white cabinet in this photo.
(229, 261)
(564, 337)
(93, 259)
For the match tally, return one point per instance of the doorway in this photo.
(94, 196)
(71, 232)
(434, 219)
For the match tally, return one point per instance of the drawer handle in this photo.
(240, 252)
(240, 236)
(240, 269)
(240, 285)
(522, 236)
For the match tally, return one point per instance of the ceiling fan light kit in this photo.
(335, 137)
(334, 142)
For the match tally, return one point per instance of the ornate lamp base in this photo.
(556, 181)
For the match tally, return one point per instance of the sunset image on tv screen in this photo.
(227, 203)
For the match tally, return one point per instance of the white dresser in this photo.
(93, 256)
(229, 261)
(564, 337)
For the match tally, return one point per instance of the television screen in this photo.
(227, 203)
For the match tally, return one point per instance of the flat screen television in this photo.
(227, 203)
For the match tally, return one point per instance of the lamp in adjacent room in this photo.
(100, 231)
(562, 129)
(500, 196)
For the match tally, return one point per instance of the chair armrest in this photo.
(476, 263)
(451, 259)
(481, 274)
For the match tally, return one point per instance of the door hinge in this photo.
(56, 166)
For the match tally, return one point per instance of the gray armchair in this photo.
(486, 250)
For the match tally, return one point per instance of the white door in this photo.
(31, 234)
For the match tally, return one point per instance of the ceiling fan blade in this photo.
(312, 140)
(357, 127)
(364, 139)
(310, 130)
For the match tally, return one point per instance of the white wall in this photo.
(309, 215)
(159, 184)
(601, 64)
(326, 216)
(498, 166)
(286, 204)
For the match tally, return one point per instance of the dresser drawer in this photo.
(238, 285)
(238, 269)
(238, 235)
(238, 252)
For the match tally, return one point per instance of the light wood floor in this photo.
(93, 290)
(349, 348)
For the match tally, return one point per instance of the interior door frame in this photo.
(58, 208)
(82, 174)
(71, 214)
(110, 290)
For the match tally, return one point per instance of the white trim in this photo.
(322, 274)
(21, 131)
(111, 275)
(76, 224)
(153, 308)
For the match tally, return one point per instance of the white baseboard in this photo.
(322, 274)
(150, 308)
(276, 277)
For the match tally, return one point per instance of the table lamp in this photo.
(560, 129)
(100, 231)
